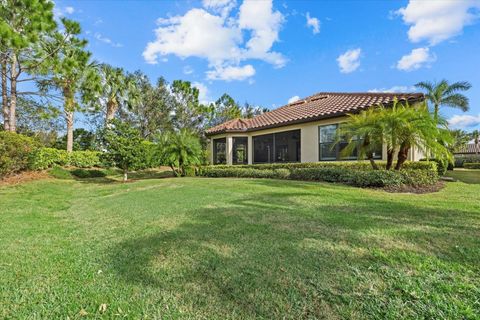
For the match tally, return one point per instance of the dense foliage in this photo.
(355, 174)
(471, 165)
(181, 150)
(44, 158)
(15, 151)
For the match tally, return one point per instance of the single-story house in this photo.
(468, 150)
(301, 131)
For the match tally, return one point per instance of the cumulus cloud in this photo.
(203, 93)
(436, 21)
(394, 89)
(69, 10)
(293, 99)
(219, 38)
(313, 23)
(230, 73)
(187, 70)
(60, 12)
(464, 121)
(107, 40)
(416, 59)
(349, 61)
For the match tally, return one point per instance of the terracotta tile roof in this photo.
(469, 148)
(319, 106)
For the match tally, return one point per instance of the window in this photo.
(277, 147)
(329, 151)
(263, 148)
(240, 150)
(220, 151)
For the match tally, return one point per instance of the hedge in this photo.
(471, 165)
(15, 150)
(357, 165)
(461, 159)
(442, 165)
(336, 173)
(48, 157)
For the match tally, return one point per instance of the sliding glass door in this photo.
(220, 151)
(277, 147)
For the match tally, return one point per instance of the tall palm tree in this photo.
(476, 138)
(444, 94)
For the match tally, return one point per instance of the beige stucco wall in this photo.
(308, 140)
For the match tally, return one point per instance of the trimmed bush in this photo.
(15, 150)
(48, 157)
(442, 165)
(461, 159)
(84, 173)
(428, 175)
(471, 165)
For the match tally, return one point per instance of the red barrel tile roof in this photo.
(319, 106)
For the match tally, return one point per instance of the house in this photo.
(302, 131)
(468, 150)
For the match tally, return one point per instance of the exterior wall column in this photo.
(229, 150)
(250, 150)
(210, 147)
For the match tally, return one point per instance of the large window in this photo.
(240, 150)
(220, 151)
(277, 147)
(330, 151)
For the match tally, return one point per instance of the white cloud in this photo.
(230, 73)
(187, 70)
(436, 21)
(59, 12)
(394, 89)
(69, 10)
(203, 92)
(349, 61)
(314, 23)
(416, 59)
(293, 99)
(107, 40)
(219, 38)
(464, 121)
(220, 6)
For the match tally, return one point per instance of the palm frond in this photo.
(457, 100)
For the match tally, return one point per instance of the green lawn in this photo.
(465, 175)
(196, 248)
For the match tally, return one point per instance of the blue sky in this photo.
(267, 53)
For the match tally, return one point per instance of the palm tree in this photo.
(476, 137)
(180, 150)
(444, 94)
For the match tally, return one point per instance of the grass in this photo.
(465, 175)
(193, 248)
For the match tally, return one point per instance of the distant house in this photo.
(467, 150)
(302, 131)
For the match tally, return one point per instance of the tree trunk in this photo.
(5, 111)
(111, 109)
(436, 110)
(390, 154)
(402, 155)
(13, 94)
(69, 109)
(125, 175)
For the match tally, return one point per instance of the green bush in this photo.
(84, 173)
(60, 173)
(461, 159)
(442, 165)
(357, 165)
(471, 165)
(350, 175)
(48, 157)
(15, 151)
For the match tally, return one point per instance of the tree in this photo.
(187, 112)
(475, 137)
(82, 140)
(444, 94)
(116, 90)
(364, 134)
(224, 109)
(23, 23)
(123, 146)
(180, 150)
(460, 139)
(71, 73)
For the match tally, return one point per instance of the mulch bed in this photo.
(23, 177)
(419, 190)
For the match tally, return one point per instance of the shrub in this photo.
(84, 173)
(427, 175)
(471, 165)
(60, 173)
(48, 157)
(15, 150)
(442, 165)
(461, 159)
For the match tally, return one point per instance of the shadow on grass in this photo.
(132, 177)
(267, 256)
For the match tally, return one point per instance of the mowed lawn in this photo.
(198, 248)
